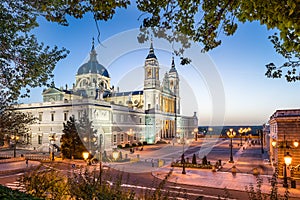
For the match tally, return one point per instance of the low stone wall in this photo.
(10, 159)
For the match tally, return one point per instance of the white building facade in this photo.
(120, 118)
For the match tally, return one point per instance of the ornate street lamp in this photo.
(16, 139)
(182, 156)
(51, 141)
(274, 143)
(287, 157)
(85, 156)
(241, 131)
(287, 162)
(196, 133)
(130, 133)
(231, 134)
(296, 143)
(115, 155)
(100, 157)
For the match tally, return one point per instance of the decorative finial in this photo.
(151, 42)
(173, 63)
(93, 54)
(93, 44)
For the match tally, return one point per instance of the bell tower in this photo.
(151, 82)
(151, 69)
(174, 85)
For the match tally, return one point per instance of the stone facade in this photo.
(150, 115)
(285, 130)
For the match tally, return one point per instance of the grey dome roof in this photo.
(92, 66)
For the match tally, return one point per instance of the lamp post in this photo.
(115, 155)
(231, 134)
(51, 141)
(15, 138)
(100, 157)
(241, 131)
(85, 156)
(182, 158)
(287, 157)
(260, 133)
(287, 162)
(196, 133)
(130, 133)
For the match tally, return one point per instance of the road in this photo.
(141, 179)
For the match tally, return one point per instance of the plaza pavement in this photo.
(223, 178)
(16, 165)
(152, 156)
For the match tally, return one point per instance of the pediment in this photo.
(51, 91)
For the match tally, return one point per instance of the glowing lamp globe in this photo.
(287, 159)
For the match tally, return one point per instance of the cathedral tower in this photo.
(174, 84)
(151, 81)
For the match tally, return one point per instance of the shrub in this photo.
(145, 143)
(127, 145)
(134, 145)
(7, 193)
(119, 146)
(140, 144)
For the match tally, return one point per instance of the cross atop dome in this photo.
(93, 43)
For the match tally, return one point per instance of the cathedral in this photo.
(120, 118)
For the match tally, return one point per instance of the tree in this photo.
(88, 134)
(15, 124)
(78, 137)
(24, 62)
(71, 144)
(203, 21)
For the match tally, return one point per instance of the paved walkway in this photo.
(15, 166)
(207, 178)
(150, 158)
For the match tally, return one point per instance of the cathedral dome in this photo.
(92, 66)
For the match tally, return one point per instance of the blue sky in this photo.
(239, 64)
